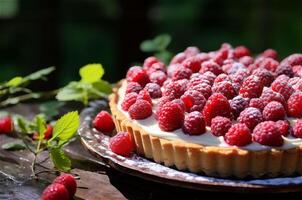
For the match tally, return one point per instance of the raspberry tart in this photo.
(222, 113)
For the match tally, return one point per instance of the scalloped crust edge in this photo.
(210, 160)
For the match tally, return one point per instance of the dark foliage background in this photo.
(71, 33)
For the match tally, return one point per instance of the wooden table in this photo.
(97, 180)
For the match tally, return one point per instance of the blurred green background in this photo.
(71, 33)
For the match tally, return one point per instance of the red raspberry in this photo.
(137, 74)
(197, 79)
(297, 130)
(68, 181)
(159, 66)
(204, 89)
(226, 88)
(158, 77)
(141, 109)
(191, 51)
(154, 90)
(238, 104)
(294, 105)
(6, 125)
(217, 105)
(193, 100)
(269, 95)
(270, 53)
(103, 122)
(220, 125)
(149, 62)
(209, 76)
(181, 73)
(267, 63)
(246, 60)
(170, 116)
(283, 88)
(194, 62)
(274, 111)
(284, 69)
(121, 144)
(239, 135)
(129, 99)
(174, 89)
(210, 66)
(292, 60)
(178, 58)
(240, 75)
(241, 51)
(222, 77)
(257, 103)
(251, 87)
(266, 76)
(144, 95)
(237, 67)
(194, 124)
(284, 127)
(55, 191)
(293, 81)
(133, 87)
(251, 117)
(221, 56)
(47, 133)
(267, 133)
(296, 69)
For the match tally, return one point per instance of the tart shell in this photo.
(210, 160)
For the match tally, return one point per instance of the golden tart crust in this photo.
(210, 160)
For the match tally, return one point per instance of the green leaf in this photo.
(71, 92)
(103, 86)
(39, 74)
(60, 160)
(14, 145)
(164, 56)
(159, 43)
(14, 82)
(41, 126)
(66, 127)
(91, 73)
(23, 125)
(50, 109)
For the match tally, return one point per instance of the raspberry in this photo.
(141, 109)
(129, 99)
(174, 89)
(47, 133)
(270, 53)
(55, 191)
(220, 56)
(239, 76)
(121, 144)
(194, 124)
(191, 51)
(274, 111)
(292, 60)
(266, 76)
(220, 125)
(193, 100)
(170, 116)
(159, 66)
(267, 133)
(246, 60)
(226, 88)
(257, 103)
(194, 62)
(250, 117)
(284, 127)
(283, 88)
(222, 77)
(239, 135)
(133, 87)
(294, 105)
(237, 67)
(284, 69)
(251, 87)
(149, 62)
(6, 125)
(217, 105)
(178, 58)
(158, 77)
(267, 63)
(238, 104)
(197, 79)
(144, 95)
(241, 51)
(209, 76)
(297, 130)
(137, 74)
(103, 122)
(181, 73)
(293, 81)
(69, 182)
(296, 69)
(269, 95)
(154, 90)
(204, 89)
(210, 66)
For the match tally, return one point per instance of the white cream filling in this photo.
(150, 125)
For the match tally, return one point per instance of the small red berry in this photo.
(204, 89)
(103, 122)
(158, 77)
(55, 191)
(191, 51)
(170, 116)
(210, 66)
(174, 89)
(257, 103)
(268, 95)
(6, 125)
(294, 105)
(137, 74)
(194, 124)
(226, 88)
(221, 77)
(221, 56)
(154, 90)
(68, 181)
(284, 127)
(246, 60)
(274, 111)
(251, 87)
(297, 132)
(251, 117)
(194, 62)
(121, 144)
(141, 109)
(129, 99)
(266, 76)
(283, 88)
(181, 72)
(220, 125)
(241, 51)
(239, 135)
(149, 62)
(270, 53)
(133, 87)
(48, 132)
(178, 58)
(193, 100)
(292, 60)
(284, 69)
(159, 66)
(267, 133)
(144, 95)
(238, 104)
